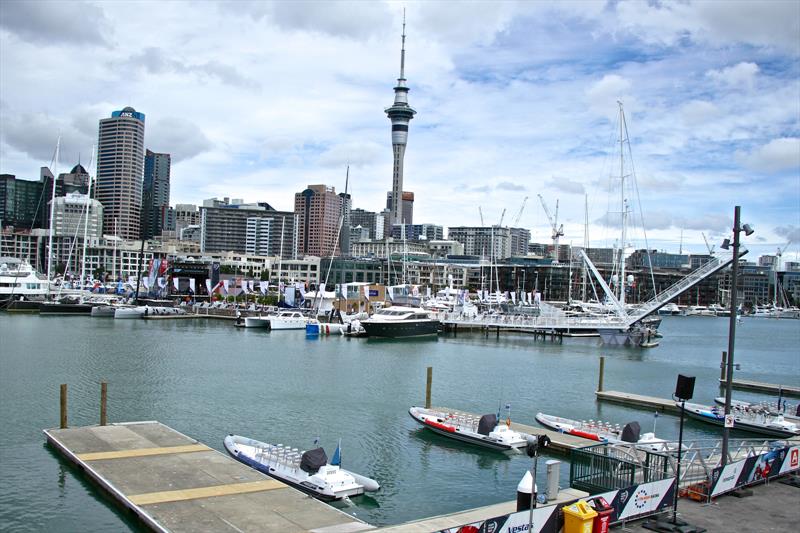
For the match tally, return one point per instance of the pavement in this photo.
(772, 507)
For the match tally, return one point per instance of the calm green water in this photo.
(207, 379)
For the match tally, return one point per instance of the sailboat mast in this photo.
(52, 214)
(585, 244)
(621, 283)
(86, 222)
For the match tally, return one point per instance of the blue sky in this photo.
(256, 100)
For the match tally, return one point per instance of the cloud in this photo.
(790, 232)
(736, 76)
(699, 112)
(36, 134)
(54, 22)
(565, 185)
(775, 156)
(178, 137)
(509, 186)
(332, 18)
(155, 61)
(604, 94)
(355, 154)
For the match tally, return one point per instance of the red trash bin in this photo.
(602, 522)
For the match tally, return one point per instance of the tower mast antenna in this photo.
(403, 50)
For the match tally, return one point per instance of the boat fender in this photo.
(369, 484)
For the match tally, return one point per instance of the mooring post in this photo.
(602, 371)
(428, 388)
(498, 332)
(723, 368)
(63, 406)
(103, 399)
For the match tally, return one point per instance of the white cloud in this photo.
(775, 156)
(738, 75)
(53, 22)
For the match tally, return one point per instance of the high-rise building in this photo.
(120, 164)
(23, 203)
(77, 180)
(318, 209)
(406, 206)
(520, 237)
(372, 222)
(344, 234)
(155, 194)
(400, 114)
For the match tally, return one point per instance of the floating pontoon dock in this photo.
(175, 483)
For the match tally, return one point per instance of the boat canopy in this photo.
(630, 433)
(487, 424)
(313, 460)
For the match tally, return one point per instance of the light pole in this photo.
(737, 228)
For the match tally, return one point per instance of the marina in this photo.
(177, 370)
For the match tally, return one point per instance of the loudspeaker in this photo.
(684, 389)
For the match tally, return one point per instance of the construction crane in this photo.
(515, 222)
(481, 214)
(502, 216)
(558, 231)
(710, 248)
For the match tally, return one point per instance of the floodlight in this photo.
(748, 230)
(726, 244)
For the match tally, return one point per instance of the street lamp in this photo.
(748, 230)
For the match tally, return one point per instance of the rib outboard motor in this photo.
(487, 424)
(630, 433)
(313, 460)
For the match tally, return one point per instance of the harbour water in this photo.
(207, 379)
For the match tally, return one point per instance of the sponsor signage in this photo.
(751, 470)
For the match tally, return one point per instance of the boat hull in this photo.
(401, 328)
(256, 322)
(738, 424)
(65, 309)
(451, 432)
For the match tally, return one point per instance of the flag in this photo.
(175, 282)
(225, 283)
(191, 285)
(263, 285)
(252, 285)
(162, 283)
(336, 460)
(208, 286)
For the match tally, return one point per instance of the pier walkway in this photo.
(638, 400)
(770, 388)
(174, 483)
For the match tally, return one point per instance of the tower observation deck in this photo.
(400, 113)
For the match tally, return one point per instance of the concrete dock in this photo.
(559, 442)
(638, 400)
(175, 483)
(769, 388)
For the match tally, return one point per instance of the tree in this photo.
(265, 275)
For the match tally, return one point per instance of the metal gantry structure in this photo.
(558, 231)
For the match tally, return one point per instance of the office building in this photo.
(72, 217)
(369, 221)
(120, 166)
(416, 232)
(318, 209)
(155, 194)
(491, 242)
(225, 228)
(406, 207)
(24, 203)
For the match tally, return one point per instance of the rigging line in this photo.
(639, 202)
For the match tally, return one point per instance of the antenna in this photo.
(403, 49)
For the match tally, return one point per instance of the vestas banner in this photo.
(772, 463)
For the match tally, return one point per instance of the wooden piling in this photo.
(63, 405)
(428, 388)
(602, 372)
(103, 400)
(723, 367)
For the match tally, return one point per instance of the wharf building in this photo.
(120, 166)
(155, 194)
(400, 113)
(318, 209)
(247, 228)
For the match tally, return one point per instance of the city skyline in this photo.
(516, 99)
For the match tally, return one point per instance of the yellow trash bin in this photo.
(578, 517)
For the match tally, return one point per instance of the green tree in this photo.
(265, 275)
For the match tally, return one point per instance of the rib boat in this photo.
(485, 431)
(308, 471)
(605, 432)
(763, 422)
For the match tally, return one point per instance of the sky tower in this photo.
(400, 114)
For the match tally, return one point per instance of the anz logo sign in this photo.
(126, 114)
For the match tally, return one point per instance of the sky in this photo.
(257, 100)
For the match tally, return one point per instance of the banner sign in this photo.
(762, 467)
(629, 503)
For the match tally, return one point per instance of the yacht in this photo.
(288, 320)
(398, 321)
(19, 283)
